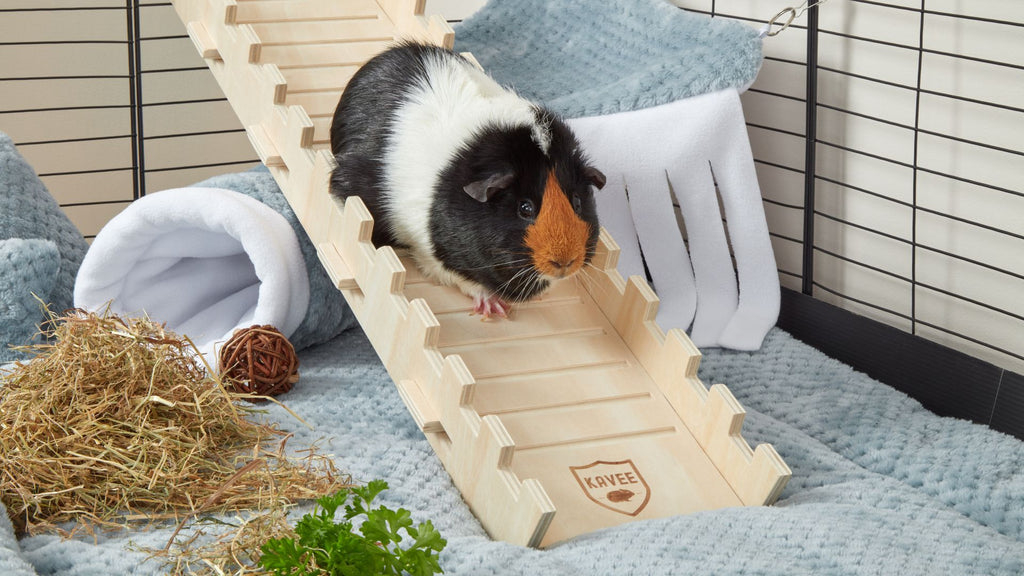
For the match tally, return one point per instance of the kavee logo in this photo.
(617, 486)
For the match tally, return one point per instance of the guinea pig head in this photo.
(513, 217)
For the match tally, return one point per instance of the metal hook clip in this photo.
(791, 15)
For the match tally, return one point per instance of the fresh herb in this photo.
(325, 547)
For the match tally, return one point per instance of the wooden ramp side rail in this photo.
(714, 417)
(286, 108)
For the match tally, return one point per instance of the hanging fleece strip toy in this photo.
(652, 91)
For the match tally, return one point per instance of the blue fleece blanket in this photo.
(594, 57)
(880, 485)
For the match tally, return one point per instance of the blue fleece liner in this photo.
(40, 252)
(594, 57)
(880, 485)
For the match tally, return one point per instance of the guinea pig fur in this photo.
(488, 191)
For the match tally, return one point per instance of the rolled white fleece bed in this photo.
(204, 261)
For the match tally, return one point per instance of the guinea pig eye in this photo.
(577, 204)
(527, 210)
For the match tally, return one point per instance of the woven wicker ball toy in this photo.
(259, 360)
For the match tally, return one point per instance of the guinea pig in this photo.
(488, 191)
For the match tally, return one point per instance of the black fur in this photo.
(361, 123)
(482, 241)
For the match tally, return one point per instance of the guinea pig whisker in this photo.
(528, 285)
(501, 288)
(518, 295)
(589, 283)
(508, 264)
(535, 281)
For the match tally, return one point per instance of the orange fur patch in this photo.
(558, 238)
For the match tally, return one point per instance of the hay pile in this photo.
(116, 421)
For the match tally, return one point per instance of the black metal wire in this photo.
(135, 29)
(810, 149)
(133, 96)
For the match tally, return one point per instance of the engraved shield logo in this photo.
(617, 486)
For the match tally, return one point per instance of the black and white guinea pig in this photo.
(488, 191)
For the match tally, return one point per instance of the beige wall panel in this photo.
(159, 20)
(788, 256)
(859, 283)
(113, 186)
(887, 63)
(182, 177)
(1008, 10)
(872, 21)
(862, 171)
(783, 78)
(974, 39)
(984, 285)
(201, 149)
(90, 219)
(43, 94)
(190, 118)
(866, 135)
(974, 80)
(79, 156)
(971, 162)
(62, 4)
(772, 111)
(990, 207)
(962, 239)
(779, 184)
(39, 26)
(972, 121)
(47, 60)
(882, 101)
(169, 54)
(178, 86)
(776, 147)
(65, 124)
(863, 209)
(784, 220)
(864, 246)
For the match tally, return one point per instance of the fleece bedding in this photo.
(880, 485)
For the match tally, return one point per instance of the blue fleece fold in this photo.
(594, 57)
(46, 266)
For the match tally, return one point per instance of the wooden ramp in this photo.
(578, 413)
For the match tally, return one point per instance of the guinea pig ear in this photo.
(483, 190)
(595, 176)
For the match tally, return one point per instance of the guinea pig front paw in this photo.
(490, 305)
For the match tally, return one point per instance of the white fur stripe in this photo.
(439, 117)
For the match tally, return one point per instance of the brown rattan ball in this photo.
(259, 360)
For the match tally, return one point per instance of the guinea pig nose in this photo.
(563, 264)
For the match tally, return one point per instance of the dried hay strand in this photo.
(116, 421)
(234, 550)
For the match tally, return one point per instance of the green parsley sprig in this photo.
(325, 547)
